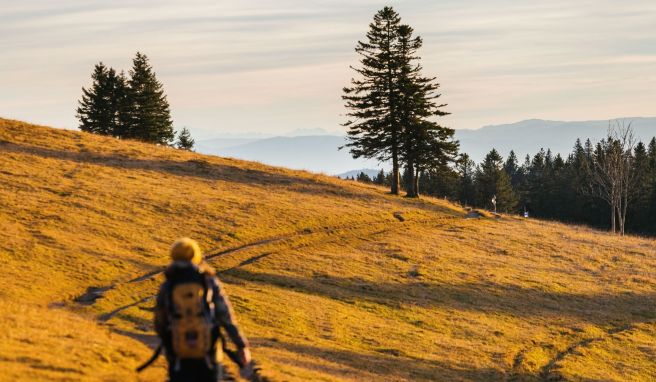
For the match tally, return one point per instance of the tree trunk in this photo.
(612, 217)
(410, 182)
(416, 183)
(625, 207)
(395, 172)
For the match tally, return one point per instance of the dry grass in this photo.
(334, 287)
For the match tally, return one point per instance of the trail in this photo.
(95, 293)
(548, 372)
(213, 255)
(325, 234)
(108, 316)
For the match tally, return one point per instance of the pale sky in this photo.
(277, 66)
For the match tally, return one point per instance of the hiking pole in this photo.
(152, 359)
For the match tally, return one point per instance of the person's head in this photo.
(186, 250)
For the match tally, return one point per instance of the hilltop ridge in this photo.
(327, 282)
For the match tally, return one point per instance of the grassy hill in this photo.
(327, 283)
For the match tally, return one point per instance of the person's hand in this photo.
(244, 356)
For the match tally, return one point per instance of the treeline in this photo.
(129, 107)
(577, 188)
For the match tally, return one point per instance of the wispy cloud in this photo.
(279, 65)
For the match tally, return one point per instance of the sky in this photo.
(236, 67)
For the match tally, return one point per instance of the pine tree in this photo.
(374, 130)
(652, 200)
(441, 182)
(380, 178)
(512, 168)
(185, 141)
(639, 209)
(466, 189)
(362, 177)
(95, 111)
(148, 114)
(493, 181)
(120, 104)
(426, 145)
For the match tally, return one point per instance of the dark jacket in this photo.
(223, 314)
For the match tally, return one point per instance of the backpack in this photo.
(190, 314)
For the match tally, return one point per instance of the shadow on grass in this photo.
(394, 367)
(199, 168)
(487, 297)
(150, 340)
(196, 168)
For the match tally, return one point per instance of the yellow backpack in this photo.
(191, 323)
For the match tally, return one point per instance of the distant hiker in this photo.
(191, 310)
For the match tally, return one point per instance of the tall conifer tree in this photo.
(148, 115)
(95, 111)
(493, 181)
(425, 144)
(391, 104)
(374, 126)
(466, 189)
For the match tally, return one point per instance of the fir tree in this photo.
(512, 168)
(380, 178)
(148, 116)
(426, 146)
(466, 189)
(120, 104)
(651, 227)
(97, 111)
(185, 141)
(441, 182)
(362, 177)
(493, 181)
(643, 189)
(374, 130)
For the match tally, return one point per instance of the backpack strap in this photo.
(152, 359)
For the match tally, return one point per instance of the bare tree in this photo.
(611, 172)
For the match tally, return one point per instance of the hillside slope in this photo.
(326, 282)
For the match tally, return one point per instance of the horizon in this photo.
(496, 61)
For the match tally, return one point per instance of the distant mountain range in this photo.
(319, 153)
(528, 137)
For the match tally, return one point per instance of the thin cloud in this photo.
(275, 66)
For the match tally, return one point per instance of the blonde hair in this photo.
(186, 249)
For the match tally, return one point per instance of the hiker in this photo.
(191, 310)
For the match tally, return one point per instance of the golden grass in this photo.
(334, 287)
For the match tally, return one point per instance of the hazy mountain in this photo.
(319, 153)
(308, 132)
(214, 146)
(527, 137)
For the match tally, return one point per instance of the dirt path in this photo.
(95, 293)
(213, 255)
(549, 372)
